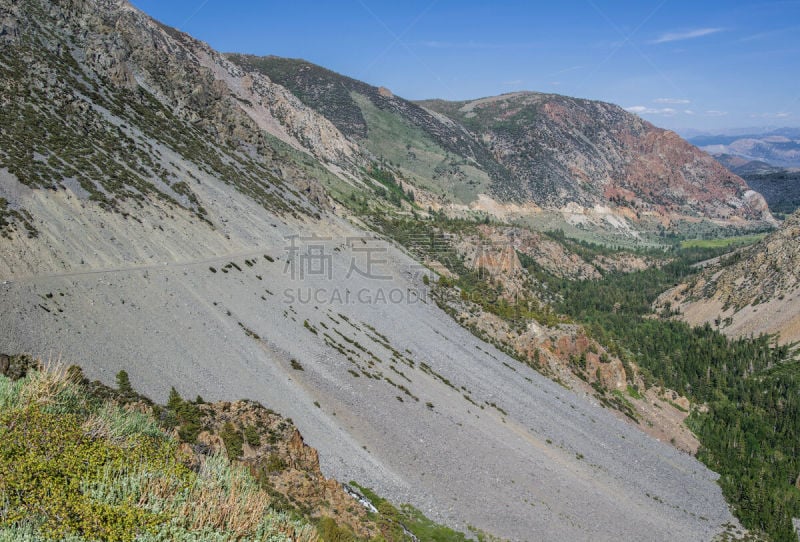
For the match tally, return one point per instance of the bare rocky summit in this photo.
(563, 149)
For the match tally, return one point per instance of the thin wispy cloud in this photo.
(686, 35)
(768, 34)
(778, 115)
(195, 12)
(628, 39)
(644, 110)
(715, 113)
(435, 44)
(565, 70)
(671, 101)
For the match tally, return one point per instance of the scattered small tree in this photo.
(124, 383)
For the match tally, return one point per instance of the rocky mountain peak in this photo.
(563, 149)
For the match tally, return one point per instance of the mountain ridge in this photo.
(753, 291)
(585, 162)
(778, 147)
(610, 151)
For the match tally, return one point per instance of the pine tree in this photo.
(174, 402)
(124, 383)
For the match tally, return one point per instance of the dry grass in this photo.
(125, 462)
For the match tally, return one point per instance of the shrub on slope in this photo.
(77, 468)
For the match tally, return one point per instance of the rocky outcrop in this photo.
(563, 150)
(551, 255)
(494, 249)
(497, 261)
(111, 86)
(276, 454)
(754, 290)
(198, 83)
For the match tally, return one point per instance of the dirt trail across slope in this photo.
(232, 256)
(409, 411)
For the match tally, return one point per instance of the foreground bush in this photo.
(75, 468)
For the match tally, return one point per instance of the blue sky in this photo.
(707, 65)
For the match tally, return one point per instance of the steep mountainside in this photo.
(427, 145)
(569, 150)
(537, 149)
(91, 96)
(752, 291)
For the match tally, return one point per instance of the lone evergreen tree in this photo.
(174, 402)
(124, 383)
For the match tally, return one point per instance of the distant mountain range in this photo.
(779, 147)
(779, 186)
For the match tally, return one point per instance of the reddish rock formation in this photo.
(281, 461)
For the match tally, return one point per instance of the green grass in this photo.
(723, 242)
(76, 468)
(633, 392)
(76, 465)
(418, 156)
(391, 521)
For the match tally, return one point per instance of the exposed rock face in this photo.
(551, 255)
(754, 291)
(337, 98)
(537, 148)
(108, 82)
(497, 261)
(199, 83)
(570, 150)
(494, 250)
(281, 461)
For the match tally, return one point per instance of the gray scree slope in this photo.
(547, 464)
